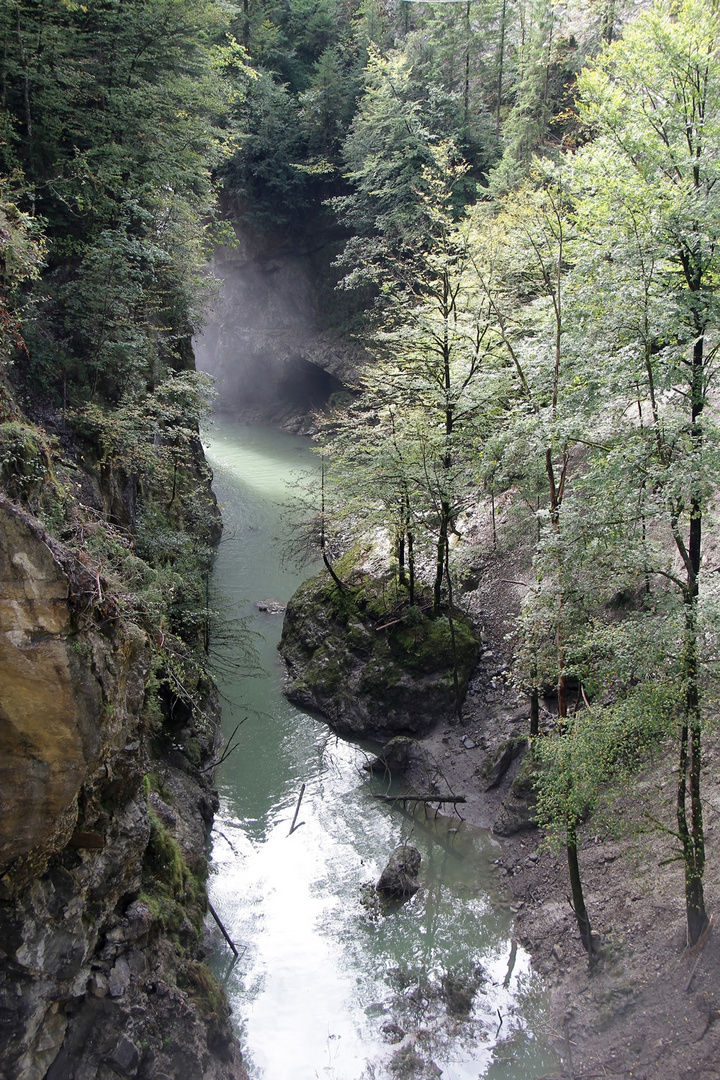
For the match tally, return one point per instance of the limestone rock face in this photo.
(63, 703)
(268, 341)
(101, 895)
(366, 677)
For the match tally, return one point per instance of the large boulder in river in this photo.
(399, 879)
(370, 667)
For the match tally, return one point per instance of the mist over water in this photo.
(327, 979)
(264, 343)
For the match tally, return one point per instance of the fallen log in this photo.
(421, 798)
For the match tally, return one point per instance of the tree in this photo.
(112, 111)
(654, 101)
(521, 259)
(425, 397)
(538, 120)
(22, 248)
(263, 171)
(385, 151)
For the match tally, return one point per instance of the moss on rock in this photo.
(372, 664)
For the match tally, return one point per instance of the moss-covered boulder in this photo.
(369, 665)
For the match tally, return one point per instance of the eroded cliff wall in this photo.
(102, 837)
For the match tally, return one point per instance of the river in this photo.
(329, 984)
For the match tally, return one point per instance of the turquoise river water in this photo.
(328, 984)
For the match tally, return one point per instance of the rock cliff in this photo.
(103, 821)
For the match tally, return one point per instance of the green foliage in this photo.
(152, 434)
(174, 894)
(22, 250)
(197, 979)
(263, 171)
(411, 637)
(164, 860)
(112, 114)
(540, 116)
(24, 460)
(602, 749)
(385, 151)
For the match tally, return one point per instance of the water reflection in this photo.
(330, 984)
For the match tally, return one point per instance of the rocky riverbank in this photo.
(650, 1008)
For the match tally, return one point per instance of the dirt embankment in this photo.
(650, 1009)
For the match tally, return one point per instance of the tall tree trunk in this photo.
(578, 898)
(410, 551)
(445, 508)
(400, 554)
(30, 169)
(571, 848)
(534, 710)
(453, 642)
(246, 23)
(440, 558)
(466, 86)
(328, 566)
(501, 62)
(690, 825)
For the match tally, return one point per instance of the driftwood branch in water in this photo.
(225, 934)
(421, 798)
(293, 827)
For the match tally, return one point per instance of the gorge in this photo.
(470, 251)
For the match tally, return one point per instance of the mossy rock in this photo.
(500, 761)
(371, 664)
(395, 756)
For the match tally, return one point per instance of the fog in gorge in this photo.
(271, 340)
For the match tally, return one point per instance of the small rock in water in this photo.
(398, 880)
(393, 1032)
(459, 990)
(271, 606)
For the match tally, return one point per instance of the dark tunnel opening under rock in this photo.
(306, 386)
